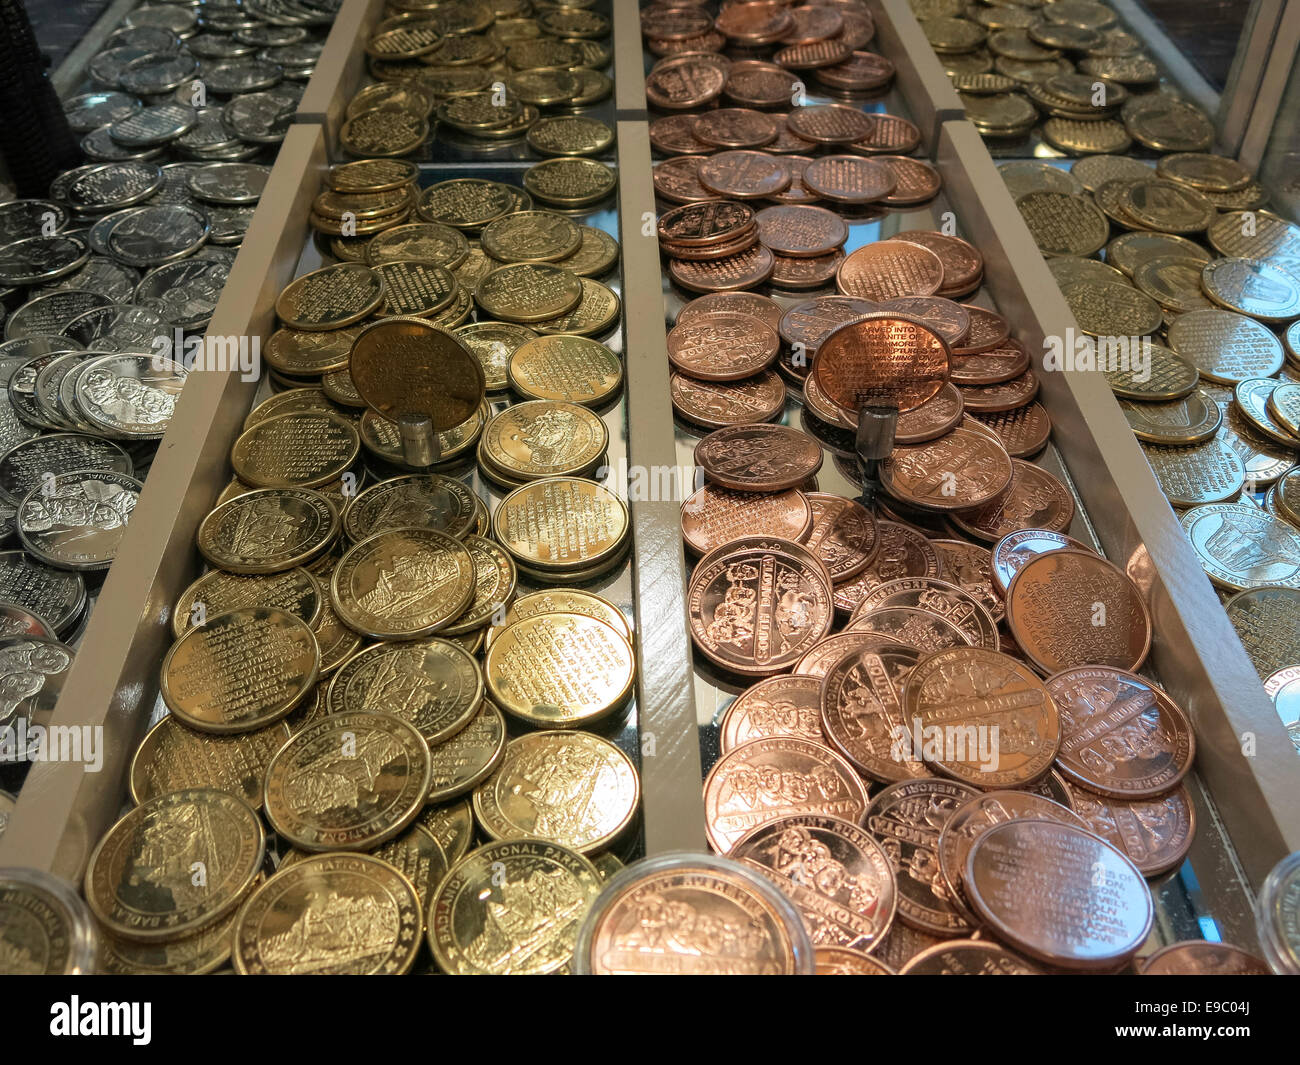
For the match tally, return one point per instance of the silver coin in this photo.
(240, 75)
(185, 293)
(98, 144)
(63, 181)
(181, 21)
(270, 36)
(175, 187)
(210, 133)
(152, 126)
(24, 467)
(13, 429)
(39, 259)
(13, 353)
(46, 389)
(21, 388)
(120, 327)
(147, 37)
(114, 186)
(98, 274)
(229, 182)
(91, 110)
(218, 46)
(229, 223)
(98, 233)
(46, 316)
(303, 54)
(76, 520)
(106, 67)
(53, 594)
(157, 72)
(17, 620)
(22, 219)
(32, 671)
(69, 408)
(151, 236)
(260, 117)
(130, 395)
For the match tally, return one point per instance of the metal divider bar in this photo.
(920, 76)
(340, 69)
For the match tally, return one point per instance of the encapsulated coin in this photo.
(1155, 833)
(139, 896)
(571, 788)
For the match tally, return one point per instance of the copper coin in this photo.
(936, 416)
(903, 552)
(831, 123)
(744, 175)
(1074, 608)
(713, 517)
(674, 135)
(756, 306)
(959, 470)
(806, 324)
(1015, 549)
(991, 367)
(849, 179)
(754, 23)
(907, 818)
(970, 567)
(674, 22)
(1197, 957)
(950, 320)
(678, 180)
(975, 817)
(915, 181)
(735, 127)
(1040, 886)
(837, 961)
(752, 83)
(969, 957)
(933, 596)
(861, 72)
(717, 403)
(894, 136)
(813, 56)
(843, 535)
(757, 605)
(984, 718)
(1023, 432)
(766, 780)
(889, 269)
(777, 706)
(789, 144)
(805, 273)
(735, 273)
(722, 346)
(1121, 736)
(831, 414)
(685, 82)
(1009, 395)
(813, 24)
(1034, 500)
(758, 458)
(988, 330)
(881, 359)
(733, 246)
(923, 629)
(801, 232)
(712, 222)
(862, 711)
(796, 192)
(818, 661)
(834, 872)
(1155, 833)
(963, 265)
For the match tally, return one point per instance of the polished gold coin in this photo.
(1106, 310)
(347, 782)
(1200, 170)
(493, 343)
(495, 580)
(268, 530)
(565, 368)
(570, 135)
(206, 951)
(373, 175)
(1267, 621)
(428, 241)
(414, 501)
(172, 757)
(1064, 224)
(383, 132)
(1192, 419)
(290, 400)
(337, 642)
(419, 857)
(301, 449)
(140, 880)
(343, 914)
(404, 97)
(340, 389)
(596, 313)
(597, 256)
(1286, 496)
(362, 206)
(479, 111)
(403, 585)
(465, 203)
(1167, 206)
(331, 297)
(296, 591)
(569, 601)
(511, 909)
(308, 353)
(570, 182)
(452, 825)
(418, 287)
(434, 685)
(559, 670)
(529, 292)
(561, 525)
(572, 788)
(531, 237)
(463, 761)
(544, 438)
(240, 671)
(546, 87)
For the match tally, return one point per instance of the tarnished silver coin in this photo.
(76, 520)
(131, 394)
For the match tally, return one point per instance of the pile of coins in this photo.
(1204, 299)
(1067, 65)
(486, 73)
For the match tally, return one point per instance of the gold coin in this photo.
(416, 501)
(530, 237)
(428, 241)
(331, 297)
(140, 878)
(529, 292)
(385, 764)
(1286, 495)
(495, 580)
(545, 87)
(559, 670)
(1267, 621)
(294, 591)
(1157, 120)
(1192, 419)
(565, 368)
(403, 585)
(570, 182)
(477, 265)
(433, 685)
(569, 601)
(382, 438)
(343, 914)
(418, 857)
(360, 227)
(1093, 171)
(1257, 235)
(452, 826)
(1211, 472)
(1167, 207)
(384, 132)
(1208, 173)
(568, 787)
(596, 313)
(415, 287)
(206, 951)
(607, 865)
(463, 761)
(1081, 136)
(465, 203)
(301, 449)
(596, 257)
(307, 353)
(373, 175)
(268, 530)
(475, 111)
(511, 909)
(1067, 269)
(172, 757)
(493, 343)
(561, 524)
(1063, 224)
(458, 312)
(362, 206)
(404, 97)
(570, 135)
(593, 86)
(337, 642)
(291, 400)
(338, 386)
(240, 671)
(544, 438)
(1265, 460)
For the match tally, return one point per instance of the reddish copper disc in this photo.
(732, 274)
(849, 179)
(711, 41)
(686, 81)
(958, 470)
(758, 458)
(754, 23)
(1156, 833)
(831, 123)
(777, 706)
(674, 135)
(756, 306)
(963, 265)
(674, 21)
(806, 273)
(970, 567)
(889, 269)
(1034, 500)
(938, 415)
(722, 346)
(890, 135)
(916, 182)
(812, 56)
(812, 24)
(1198, 957)
(715, 516)
(862, 710)
(1023, 432)
(735, 127)
(733, 246)
(713, 222)
(801, 232)
(796, 193)
(861, 72)
(1121, 736)
(1073, 608)
(903, 552)
(808, 323)
(757, 605)
(843, 535)
(1009, 395)
(744, 175)
(881, 359)
(988, 330)
(717, 403)
(990, 367)
(752, 83)
(788, 142)
(678, 180)
(950, 320)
